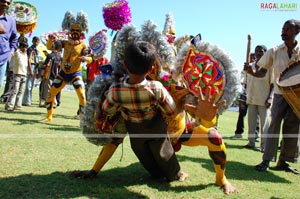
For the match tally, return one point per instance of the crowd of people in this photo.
(274, 108)
(148, 107)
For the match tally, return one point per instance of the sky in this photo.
(222, 23)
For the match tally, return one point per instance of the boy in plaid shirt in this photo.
(141, 103)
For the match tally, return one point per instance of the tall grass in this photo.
(36, 160)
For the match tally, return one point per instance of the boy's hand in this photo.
(206, 108)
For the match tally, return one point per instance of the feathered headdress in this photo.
(169, 27)
(81, 20)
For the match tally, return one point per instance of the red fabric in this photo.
(177, 146)
(93, 70)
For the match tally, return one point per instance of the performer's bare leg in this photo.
(57, 85)
(217, 151)
(106, 153)
(78, 84)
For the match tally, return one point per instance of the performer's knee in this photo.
(49, 105)
(57, 83)
(78, 83)
(214, 137)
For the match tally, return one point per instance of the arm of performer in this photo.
(178, 94)
(206, 109)
(51, 39)
(86, 55)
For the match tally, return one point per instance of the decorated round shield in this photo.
(98, 44)
(204, 65)
(25, 15)
(200, 69)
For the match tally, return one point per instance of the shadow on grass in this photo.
(51, 126)
(236, 146)
(19, 121)
(42, 114)
(113, 183)
(237, 170)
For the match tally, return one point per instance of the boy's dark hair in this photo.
(23, 44)
(139, 57)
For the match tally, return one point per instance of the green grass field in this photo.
(36, 160)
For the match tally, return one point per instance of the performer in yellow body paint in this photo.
(203, 109)
(73, 56)
(199, 133)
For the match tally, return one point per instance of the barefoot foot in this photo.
(182, 176)
(229, 189)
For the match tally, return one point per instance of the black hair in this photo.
(22, 38)
(295, 23)
(35, 38)
(23, 44)
(139, 57)
(262, 46)
(57, 45)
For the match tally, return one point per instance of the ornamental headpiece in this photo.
(25, 15)
(80, 23)
(169, 28)
(116, 14)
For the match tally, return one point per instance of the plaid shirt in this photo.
(138, 102)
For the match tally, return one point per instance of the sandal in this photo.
(263, 166)
(286, 167)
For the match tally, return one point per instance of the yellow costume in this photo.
(73, 56)
(199, 133)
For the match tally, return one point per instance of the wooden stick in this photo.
(248, 50)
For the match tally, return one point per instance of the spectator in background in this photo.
(42, 72)
(33, 55)
(240, 125)
(10, 75)
(278, 59)
(52, 67)
(259, 97)
(8, 36)
(21, 67)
